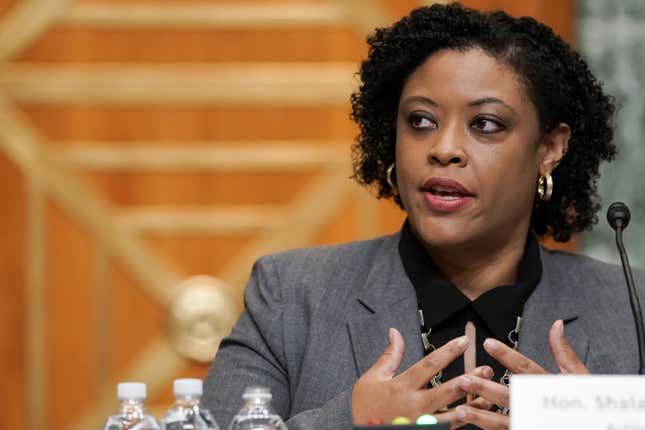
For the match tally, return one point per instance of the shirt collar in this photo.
(440, 299)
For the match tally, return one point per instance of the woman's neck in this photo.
(475, 271)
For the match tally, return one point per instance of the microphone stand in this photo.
(618, 216)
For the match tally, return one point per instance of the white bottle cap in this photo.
(257, 393)
(131, 391)
(187, 387)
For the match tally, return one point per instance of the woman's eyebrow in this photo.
(487, 100)
(420, 99)
(478, 102)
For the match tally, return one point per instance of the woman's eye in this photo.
(422, 122)
(487, 125)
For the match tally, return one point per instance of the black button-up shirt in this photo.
(446, 309)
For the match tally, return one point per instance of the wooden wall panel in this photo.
(135, 319)
(343, 225)
(199, 188)
(104, 322)
(214, 251)
(364, 214)
(389, 214)
(13, 232)
(171, 45)
(6, 6)
(226, 2)
(400, 8)
(212, 124)
(70, 347)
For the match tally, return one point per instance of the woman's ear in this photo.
(553, 146)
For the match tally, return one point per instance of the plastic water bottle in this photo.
(132, 414)
(187, 413)
(257, 414)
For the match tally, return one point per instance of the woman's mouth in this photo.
(445, 194)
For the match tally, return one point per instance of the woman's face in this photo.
(468, 151)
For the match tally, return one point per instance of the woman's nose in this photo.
(447, 148)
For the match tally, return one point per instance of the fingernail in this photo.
(465, 382)
(390, 335)
(559, 327)
(487, 372)
(461, 412)
(462, 342)
(489, 344)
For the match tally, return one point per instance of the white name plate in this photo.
(589, 402)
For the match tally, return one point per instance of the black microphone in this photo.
(618, 216)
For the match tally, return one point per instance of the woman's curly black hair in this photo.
(556, 78)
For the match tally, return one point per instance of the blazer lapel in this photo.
(387, 299)
(554, 298)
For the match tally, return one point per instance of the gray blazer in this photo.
(317, 318)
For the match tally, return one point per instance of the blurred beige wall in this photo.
(144, 143)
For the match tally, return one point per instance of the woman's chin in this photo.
(445, 234)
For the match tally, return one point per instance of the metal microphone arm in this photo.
(618, 217)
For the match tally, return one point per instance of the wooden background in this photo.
(144, 142)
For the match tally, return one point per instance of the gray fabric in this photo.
(317, 318)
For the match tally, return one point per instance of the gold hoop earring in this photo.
(545, 187)
(388, 177)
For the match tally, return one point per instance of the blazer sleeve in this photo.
(254, 354)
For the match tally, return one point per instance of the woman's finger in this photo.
(450, 391)
(565, 357)
(492, 391)
(486, 420)
(419, 374)
(451, 418)
(511, 359)
(481, 403)
(388, 363)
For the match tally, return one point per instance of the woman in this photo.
(486, 130)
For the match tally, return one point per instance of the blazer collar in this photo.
(387, 299)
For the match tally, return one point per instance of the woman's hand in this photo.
(498, 394)
(379, 395)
